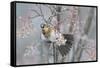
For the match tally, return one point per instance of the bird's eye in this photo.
(42, 25)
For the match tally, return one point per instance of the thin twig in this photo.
(34, 16)
(36, 12)
(42, 14)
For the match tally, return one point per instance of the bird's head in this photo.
(46, 29)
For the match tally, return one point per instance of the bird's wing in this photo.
(64, 49)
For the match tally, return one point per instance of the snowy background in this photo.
(79, 21)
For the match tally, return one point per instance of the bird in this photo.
(63, 41)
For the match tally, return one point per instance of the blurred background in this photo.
(76, 20)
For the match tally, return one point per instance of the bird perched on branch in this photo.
(63, 41)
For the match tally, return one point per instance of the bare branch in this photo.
(34, 16)
(36, 12)
(51, 17)
(52, 11)
(42, 14)
(54, 7)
